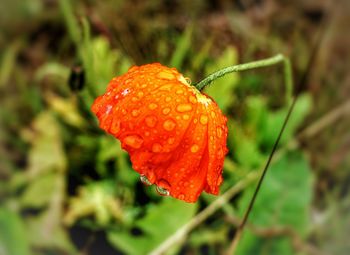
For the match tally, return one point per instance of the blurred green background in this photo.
(68, 188)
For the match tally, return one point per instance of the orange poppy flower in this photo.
(175, 135)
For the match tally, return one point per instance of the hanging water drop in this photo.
(144, 180)
(161, 191)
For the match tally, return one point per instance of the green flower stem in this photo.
(279, 58)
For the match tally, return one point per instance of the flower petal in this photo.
(167, 127)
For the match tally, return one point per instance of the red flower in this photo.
(176, 136)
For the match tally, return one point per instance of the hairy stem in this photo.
(277, 59)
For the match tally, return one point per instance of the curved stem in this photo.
(277, 59)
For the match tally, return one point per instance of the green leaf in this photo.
(130, 244)
(97, 199)
(251, 244)
(160, 221)
(47, 232)
(283, 201)
(39, 192)
(46, 153)
(243, 147)
(13, 235)
(255, 113)
(222, 90)
(179, 211)
(271, 125)
(182, 47)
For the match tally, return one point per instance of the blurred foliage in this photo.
(63, 179)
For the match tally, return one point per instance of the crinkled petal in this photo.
(167, 126)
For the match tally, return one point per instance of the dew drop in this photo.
(166, 75)
(219, 132)
(179, 91)
(134, 99)
(171, 140)
(165, 88)
(167, 99)
(124, 111)
(135, 113)
(152, 106)
(192, 99)
(125, 92)
(212, 114)
(203, 119)
(166, 111)
(108, 109)
(164, 184)
(169, 125)
(156, 148)
(140, 94)
(151, 121)
(185, 116)
(184, 108)
(182, 196)
(115, 127)
(194, 148)
(134, 141)
(220, 153)
(144, 180)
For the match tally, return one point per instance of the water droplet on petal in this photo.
(166, 75)
(156, 148)
(152, 106)
(203, 119)
(134, 99)
(166, 111)
(151, 121)
(220, 153)
(182, 196)
(125, 92)
(164, 184)
(185, 116)
(140, 94)
(184, 108)
(165, 88)
(192, 99)
(169, 125)
(219, 132)
(108, 109)
(179, 91)
(212, 114)
(171, 140)
(194, 148)
(134, 141)
(167, 99)
(144, 180)
(115, 127)
(135, 113)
